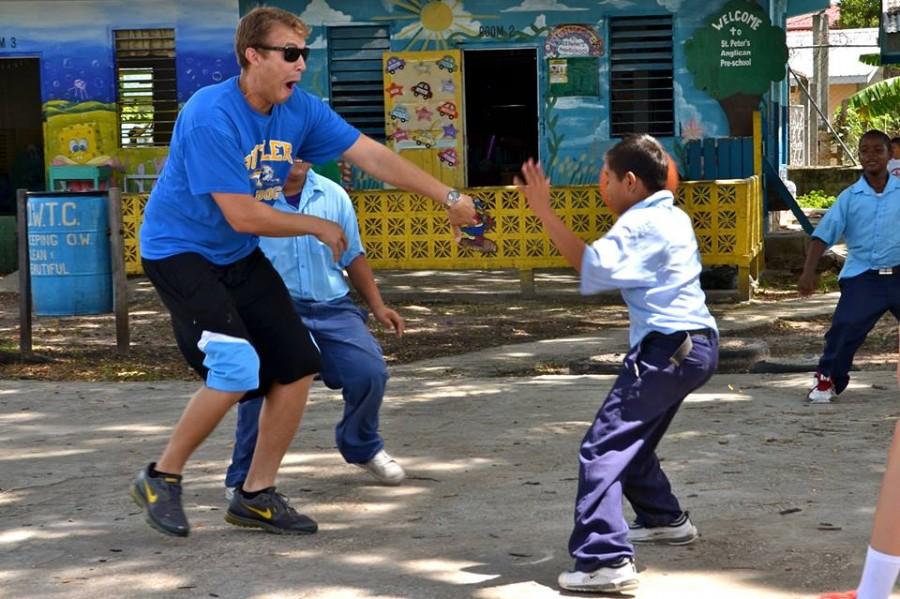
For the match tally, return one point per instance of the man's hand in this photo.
(332, 235)
(807, 283)
(462, 212)
(536, 187)
(390, 319)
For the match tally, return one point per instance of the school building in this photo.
(467, 89)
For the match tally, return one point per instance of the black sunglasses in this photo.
(291, 53)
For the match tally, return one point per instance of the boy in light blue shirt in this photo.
(866, 215)
(651, 255)
(351, 358)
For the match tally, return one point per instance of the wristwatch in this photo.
(452, 197)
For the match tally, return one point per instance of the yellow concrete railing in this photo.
(401, 230)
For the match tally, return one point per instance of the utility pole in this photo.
(818, 133)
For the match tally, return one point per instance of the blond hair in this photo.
(255, 26)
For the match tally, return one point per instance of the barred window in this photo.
(641, 76)
(355, 77)
(147, 92)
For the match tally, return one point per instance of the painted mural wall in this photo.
(78, 82)
(74, 42)
(575, 129)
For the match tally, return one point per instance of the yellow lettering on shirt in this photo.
(279, 151)
(271, 193)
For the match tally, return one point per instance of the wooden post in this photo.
(820, 81)
(25, 346)
(117, 262)
(526, 282)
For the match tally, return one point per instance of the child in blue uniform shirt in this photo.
(352, 359)
(651, 256)
(865, 215)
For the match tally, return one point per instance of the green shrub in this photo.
(816, 199)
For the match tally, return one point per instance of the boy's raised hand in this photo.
(536, 187)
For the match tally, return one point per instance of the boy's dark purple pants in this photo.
(864, 300)
(618, 454)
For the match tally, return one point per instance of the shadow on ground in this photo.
(782, 492)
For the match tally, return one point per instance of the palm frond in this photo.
(879, 99)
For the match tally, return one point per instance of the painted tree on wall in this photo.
(735, 57)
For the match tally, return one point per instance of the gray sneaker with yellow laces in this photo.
(269, 511)
(160, 498)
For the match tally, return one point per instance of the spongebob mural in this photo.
(80, 144)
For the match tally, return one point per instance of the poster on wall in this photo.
(573, 40)
(574, 76)
(572, 53)
(423, 110)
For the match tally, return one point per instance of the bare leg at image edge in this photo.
(883, 556)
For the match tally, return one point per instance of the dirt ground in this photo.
(782, 493)
(83, 348)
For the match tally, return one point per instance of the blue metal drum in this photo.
(68, 250)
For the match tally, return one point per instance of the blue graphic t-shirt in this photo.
(221, 145)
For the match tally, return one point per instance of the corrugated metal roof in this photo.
(805, 21)
(847, 45)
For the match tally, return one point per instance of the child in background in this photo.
(651, 255)
(894, 162)
(866, 216)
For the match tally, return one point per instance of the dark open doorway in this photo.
(501, 113)
(21, 133)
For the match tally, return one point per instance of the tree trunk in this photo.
(739, 112)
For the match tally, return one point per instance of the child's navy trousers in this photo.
(864, 300)
(618, 454)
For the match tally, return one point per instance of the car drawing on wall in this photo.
(395, 64)
(400, 113)
(423, 138)
(400, 134)
(447, 63)
(448, 156)
(422, 89)
(448, 109)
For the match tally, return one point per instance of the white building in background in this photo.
(846, 74)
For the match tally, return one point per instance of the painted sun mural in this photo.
(435, 22)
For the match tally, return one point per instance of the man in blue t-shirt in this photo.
(232, 147)
(352, 359)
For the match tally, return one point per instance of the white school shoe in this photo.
(616, 578)
(822, 391)
(384, 468)
(680, 532)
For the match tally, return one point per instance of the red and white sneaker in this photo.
(847, 595)
(822, 391)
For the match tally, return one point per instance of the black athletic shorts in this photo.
(246, 299)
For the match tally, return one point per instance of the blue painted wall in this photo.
(582, 123)
(74, 42)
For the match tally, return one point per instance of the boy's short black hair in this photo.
(895, 140)
(644, 156)
(879, 135)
